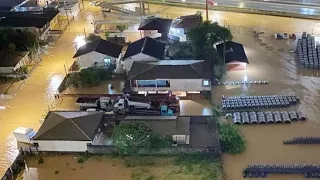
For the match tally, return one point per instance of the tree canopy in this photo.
(205, 36)
(130, 137)
(93, 37)
(91, 76)
(231, 139)
(11, 40)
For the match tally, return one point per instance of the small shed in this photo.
(235, 56)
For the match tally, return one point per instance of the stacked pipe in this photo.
(244, 82)
(262, 171)
(303, 140)
(308, 53)
(267, 117)
(258, 102)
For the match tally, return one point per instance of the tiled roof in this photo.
(233, 52)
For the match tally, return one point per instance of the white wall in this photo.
(66, 146)
(179, 32)
(138, 57)
(178, 85)
(5, 70)
(88, 60)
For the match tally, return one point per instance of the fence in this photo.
(174, 150)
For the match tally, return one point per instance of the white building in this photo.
(145, 49)
(64, 131)
(9, 64)
(99, 53)
(182, 77)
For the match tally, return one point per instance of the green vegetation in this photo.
(23, 70)
(122, 27)
(88, 77)
(106, 34)
(92, 37)
(40, 160)
(130, 137)
(12, 40)
(203, 38)
(231, 139)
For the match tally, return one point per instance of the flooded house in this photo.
(145, 49)
(155, 27)
(99, 53)
(234, 54)
(181, 77)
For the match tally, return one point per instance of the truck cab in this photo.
(165, 111)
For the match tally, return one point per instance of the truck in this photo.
(163, 111)
(99, 103)
(131, 102)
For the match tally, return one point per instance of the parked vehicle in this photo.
(281, 36)
(130, 102)
(163, 111)
(100, 103)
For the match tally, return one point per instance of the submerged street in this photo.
(36, 98)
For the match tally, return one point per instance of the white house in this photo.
(9, 64)
(68, 131)
(145, 49)
(179, 76)
(181, 25)
(178, 127)
(99, 53)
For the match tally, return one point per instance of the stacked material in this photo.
(308, 53)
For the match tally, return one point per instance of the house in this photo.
(99, 53)
(175, 126)
(145, 49)
(179, 76)
(155, 27)
(68, 131)
(235, 56)
(10, 63)
(181, 25)
(38, 22)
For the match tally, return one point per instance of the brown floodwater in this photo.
(264, 142)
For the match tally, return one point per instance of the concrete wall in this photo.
(63, 146)
(138, 57)
(8, 70)
(88, 60)
(178, 85)
(175, 150)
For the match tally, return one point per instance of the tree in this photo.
(205, 36)
(11, 47)
(231, 139)
(132, 136)
(122, 27)
(93, 37)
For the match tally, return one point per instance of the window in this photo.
(205, 83)
(107, 61)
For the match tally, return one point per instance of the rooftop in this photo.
(187, 22)
(160, 24)
(146, 46)
(36, 19)
(170, 69)
(12, 59)
(101, 46)
(233, 52)
(70, 126)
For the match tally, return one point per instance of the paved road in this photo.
(267, 6)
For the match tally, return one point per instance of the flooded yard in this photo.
(284, 76)
(127, 168)
(264, 142)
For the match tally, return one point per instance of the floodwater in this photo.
(264, 142)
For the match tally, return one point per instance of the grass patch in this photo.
(142, 174)
(138, 161)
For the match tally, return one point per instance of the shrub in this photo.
(40, 160)
(80, 160)
(231, 139)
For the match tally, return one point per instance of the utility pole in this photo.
(207, 14)
(85, 34)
